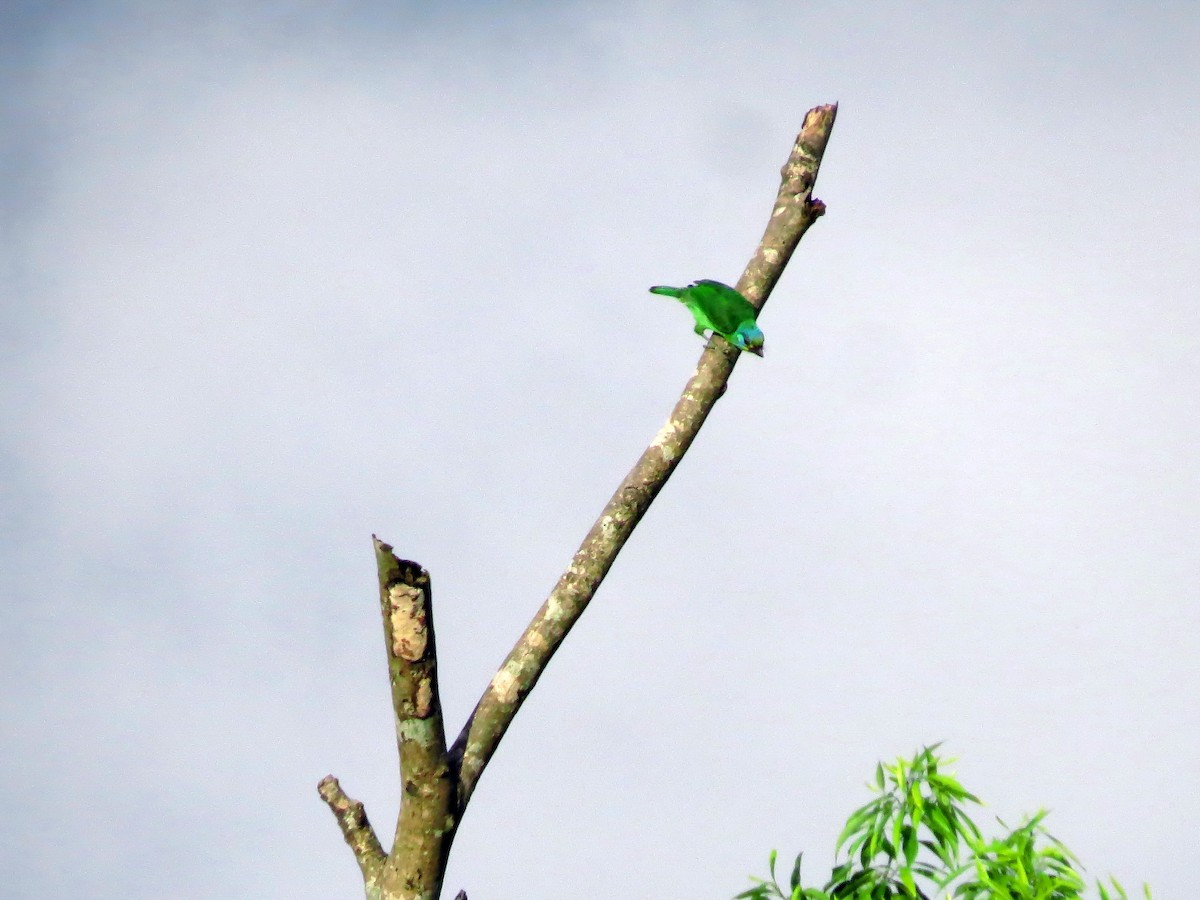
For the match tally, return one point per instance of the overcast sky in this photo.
(276, 277)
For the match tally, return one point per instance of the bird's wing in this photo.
(723, 307)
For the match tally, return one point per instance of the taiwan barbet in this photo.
(720, 309)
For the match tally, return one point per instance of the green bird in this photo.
(719, 308)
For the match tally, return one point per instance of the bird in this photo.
(719, 308)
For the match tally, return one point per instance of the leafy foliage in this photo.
(915, 841)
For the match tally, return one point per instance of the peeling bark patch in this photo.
(667, 441)
(665, 434)
(608, 524)
(555, 606)
(424, 698)
(409, 634)
(504, 686)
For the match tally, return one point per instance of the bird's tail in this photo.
(667, 291)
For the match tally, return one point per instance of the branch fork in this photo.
(438, 781)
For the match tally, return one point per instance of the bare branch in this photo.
(794, 211)
(428, 816)
(436, 784)
(352, 819)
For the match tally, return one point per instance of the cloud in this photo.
(285, 277)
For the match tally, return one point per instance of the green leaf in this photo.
(914, 797)
(857, 819)
(915, 817)
(876, 840)
(771, 865)
(879, 775)
(910, 844)
(970, 833)
(925, 870)
(795, 879)
(938, 850)
(1019, 871)
(854, 846)
(944, 832)
(945, 784)
(857, 880)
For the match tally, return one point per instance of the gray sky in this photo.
(276, 279)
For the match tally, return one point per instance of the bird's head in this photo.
(749, 337)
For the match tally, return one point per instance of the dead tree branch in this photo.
(794, 211)
(437, 782)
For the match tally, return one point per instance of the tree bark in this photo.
(437, 782)
(429, 809)
(794, 211)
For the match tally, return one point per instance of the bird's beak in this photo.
(757, 351)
